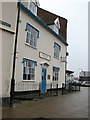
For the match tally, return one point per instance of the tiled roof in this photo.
(49, 19)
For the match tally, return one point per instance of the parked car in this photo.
(87, 83)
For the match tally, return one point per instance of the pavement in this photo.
(73, 105)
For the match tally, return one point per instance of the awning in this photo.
(69, 72)
(44, 63)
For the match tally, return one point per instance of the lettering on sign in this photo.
(5, 23)
(44, 56)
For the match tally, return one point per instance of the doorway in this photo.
(43, 80)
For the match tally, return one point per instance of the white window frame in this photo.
(31, 41)
(56, 29)
(56, 51)
(57, 26)
(55, 77)
(32, 7)
(27, 69)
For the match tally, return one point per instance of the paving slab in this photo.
(73, 105)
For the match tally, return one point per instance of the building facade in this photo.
(41, 47)
(84, 75)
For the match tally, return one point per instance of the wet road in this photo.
(74, 105)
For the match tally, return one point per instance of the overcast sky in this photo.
(76, 12)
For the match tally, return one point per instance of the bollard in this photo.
(69, 87)
(79, 87)
(62, 88)
(75, 86)
(51, 88)
(39, 89)
(57, 90)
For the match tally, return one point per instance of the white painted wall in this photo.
(7, 46)
(45, 43)
(9, 16)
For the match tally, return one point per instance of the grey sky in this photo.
(76, 12)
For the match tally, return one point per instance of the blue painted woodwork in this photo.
(43, 80)
(58, 45)
(56, 68)
(27, 24)
(30, 60)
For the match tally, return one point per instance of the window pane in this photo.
(33, 71)
(56, 51)
(33, 8)
(29, 28)
(55, 74)
(33, 77)
(28, 77)
(53, 78)
(24, 76)
(24, 70)
(30, 70)
(31, 37)
(28, 63)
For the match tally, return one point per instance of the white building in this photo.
(41, 47)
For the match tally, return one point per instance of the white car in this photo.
(86, 83)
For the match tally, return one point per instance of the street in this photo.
(73, 105)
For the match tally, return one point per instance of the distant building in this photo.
(84, 75)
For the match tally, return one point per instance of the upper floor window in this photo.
(56, 29)
(56, 73)
(57, 49)
(33, 7)
(29, 69)
(31, 35)
(57, 26)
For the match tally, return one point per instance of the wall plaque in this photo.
(44, 56)
(48, 76)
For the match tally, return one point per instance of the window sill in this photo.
(28, 81)
(56, 58)
(30, 46)
(54, 81)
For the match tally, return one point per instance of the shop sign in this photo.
(44, 56)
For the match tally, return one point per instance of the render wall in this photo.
(45, 43)
(7, 46)
(9, 13)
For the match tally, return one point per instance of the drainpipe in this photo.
(65, 73)
(14, 58)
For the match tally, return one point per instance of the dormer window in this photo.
(57, 26)
(33, 7)
(56, 29)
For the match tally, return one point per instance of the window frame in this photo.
(57, 50)
(56, 29)
(34, 7)
(54, 76)
(35, 64)
(31, 31)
